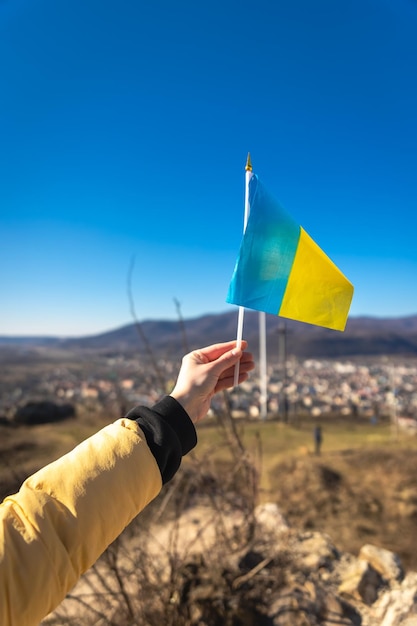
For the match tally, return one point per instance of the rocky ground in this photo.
(201, 571)
(333, 542)
(355, 496)
(337, 546)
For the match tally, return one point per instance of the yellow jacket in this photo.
(65, 516)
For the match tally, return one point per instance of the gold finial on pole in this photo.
(248, 167)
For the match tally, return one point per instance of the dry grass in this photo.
(362, 488)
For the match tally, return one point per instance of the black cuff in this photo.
(169, 432)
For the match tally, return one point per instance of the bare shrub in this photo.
(185, 547)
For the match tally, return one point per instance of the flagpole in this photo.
(241, 313)
(263, 366)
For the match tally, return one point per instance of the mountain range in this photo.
(363, 336)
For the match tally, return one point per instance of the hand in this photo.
(206, 371)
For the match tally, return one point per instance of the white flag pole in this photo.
(241, 314)
(263, 366)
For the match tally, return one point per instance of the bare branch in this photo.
(139, 327)
(182, 326)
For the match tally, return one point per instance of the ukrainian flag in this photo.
(281, 270)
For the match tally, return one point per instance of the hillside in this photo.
(364, 336)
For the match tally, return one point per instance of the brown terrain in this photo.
(357, 496)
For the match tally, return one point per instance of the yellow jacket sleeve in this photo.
(65, 516)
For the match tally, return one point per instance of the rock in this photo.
(407, 502)
(310, 604)
(361, 581)
(386, 563)
(398, 605)
(271, 519)
(314, 550)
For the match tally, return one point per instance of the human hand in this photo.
(207, 371)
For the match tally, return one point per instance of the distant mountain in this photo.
(364, 336)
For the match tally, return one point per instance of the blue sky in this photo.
(124, 130)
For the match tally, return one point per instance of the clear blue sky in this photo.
(124, 130)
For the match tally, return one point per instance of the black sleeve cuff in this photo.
(169, 432)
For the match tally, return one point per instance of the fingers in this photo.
(227, 377)
(229, 381)
(224, 366)
(246, 364)
(215, 351)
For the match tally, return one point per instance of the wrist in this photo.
(185, 401)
